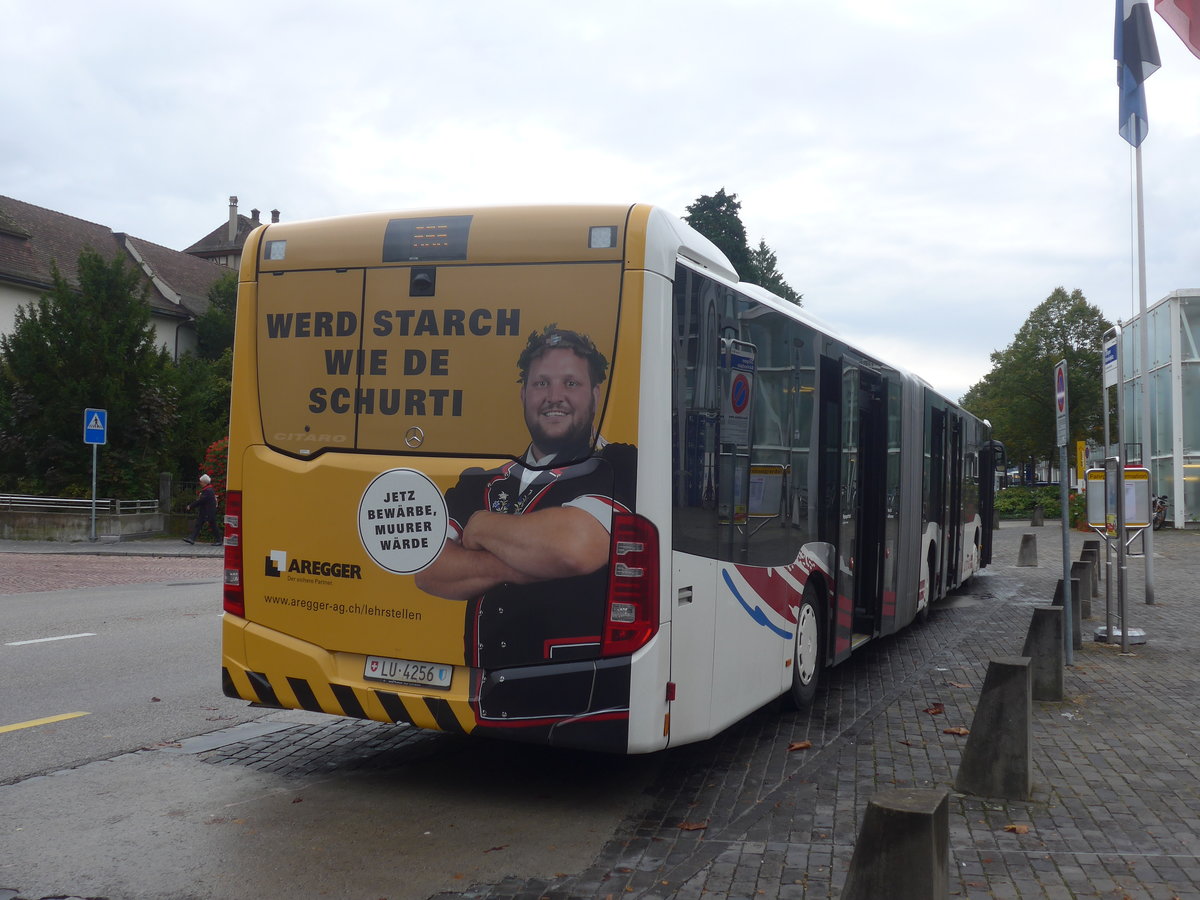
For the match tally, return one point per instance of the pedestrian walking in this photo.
(205, 506)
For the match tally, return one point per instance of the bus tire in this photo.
(808, 655)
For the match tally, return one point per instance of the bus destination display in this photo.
(423, 240)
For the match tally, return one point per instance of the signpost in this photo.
(1118, 500)
(1138, 480)
(1062, 414)
(95, 432)
(1110, 371)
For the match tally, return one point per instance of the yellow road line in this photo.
(17, 726)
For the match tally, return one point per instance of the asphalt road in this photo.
(130, 801)
(127, 666)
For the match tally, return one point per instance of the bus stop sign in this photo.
(95, 426)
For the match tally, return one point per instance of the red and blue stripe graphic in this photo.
(770, 595)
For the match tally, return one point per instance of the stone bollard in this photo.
(1039, 517)
(903, 848)
(998, 758)
(1027, 555)
(1044, 647)
(1076, 611)
(1092, 555)
(1083, 571)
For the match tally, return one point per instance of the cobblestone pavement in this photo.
(1115, 811)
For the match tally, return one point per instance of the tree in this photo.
(767, 273)
(1017, 395)
(202, 380)
(78, 347)
(214, 328)
(202, 414)
(717, 217)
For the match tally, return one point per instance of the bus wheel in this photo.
(806, 666)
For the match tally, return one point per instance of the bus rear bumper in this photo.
(583, 704)
(574, 704)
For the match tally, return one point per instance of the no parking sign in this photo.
(1061, 408)
(735, 406)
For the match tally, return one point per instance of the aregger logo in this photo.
(277, 563)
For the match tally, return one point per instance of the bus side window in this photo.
(771, 527)
(782, 437)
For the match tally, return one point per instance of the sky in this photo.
(927, 172)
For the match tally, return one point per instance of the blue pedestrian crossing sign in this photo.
(95, 426)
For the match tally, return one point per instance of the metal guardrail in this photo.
(27, 503)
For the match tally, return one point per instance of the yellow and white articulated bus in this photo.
(554, 474)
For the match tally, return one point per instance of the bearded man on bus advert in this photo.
(528, 544)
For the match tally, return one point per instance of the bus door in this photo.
(837, 621)
(991, 460)
(954, 522)
(853, 484)
(937, 499)
(872, 503)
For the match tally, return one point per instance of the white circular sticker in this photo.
(402, 520)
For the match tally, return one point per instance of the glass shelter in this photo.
(1172, 449)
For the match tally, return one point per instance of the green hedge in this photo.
(1019, 502)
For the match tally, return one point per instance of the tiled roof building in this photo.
(224, 245)
(32, 238)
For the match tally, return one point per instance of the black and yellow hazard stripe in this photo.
(292, 692)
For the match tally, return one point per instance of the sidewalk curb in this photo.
(147, 547)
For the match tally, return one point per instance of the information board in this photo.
(1102, 499)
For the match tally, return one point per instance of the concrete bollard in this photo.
(1083, 571)
(1044, 647)
(998, 758)
(1027, 555)
(1092, 555)
(903, 848)
(1039, 517)
(1076, 611)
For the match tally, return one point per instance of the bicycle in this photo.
(1158, 511)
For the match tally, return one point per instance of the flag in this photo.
(1137, 59)
(1184, 18)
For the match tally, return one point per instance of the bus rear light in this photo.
(235, 597)
(622, 613)
(631, 617)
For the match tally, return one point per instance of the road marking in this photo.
(61, 637)
(46, 721)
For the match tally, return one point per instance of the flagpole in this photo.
(1144, 349)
